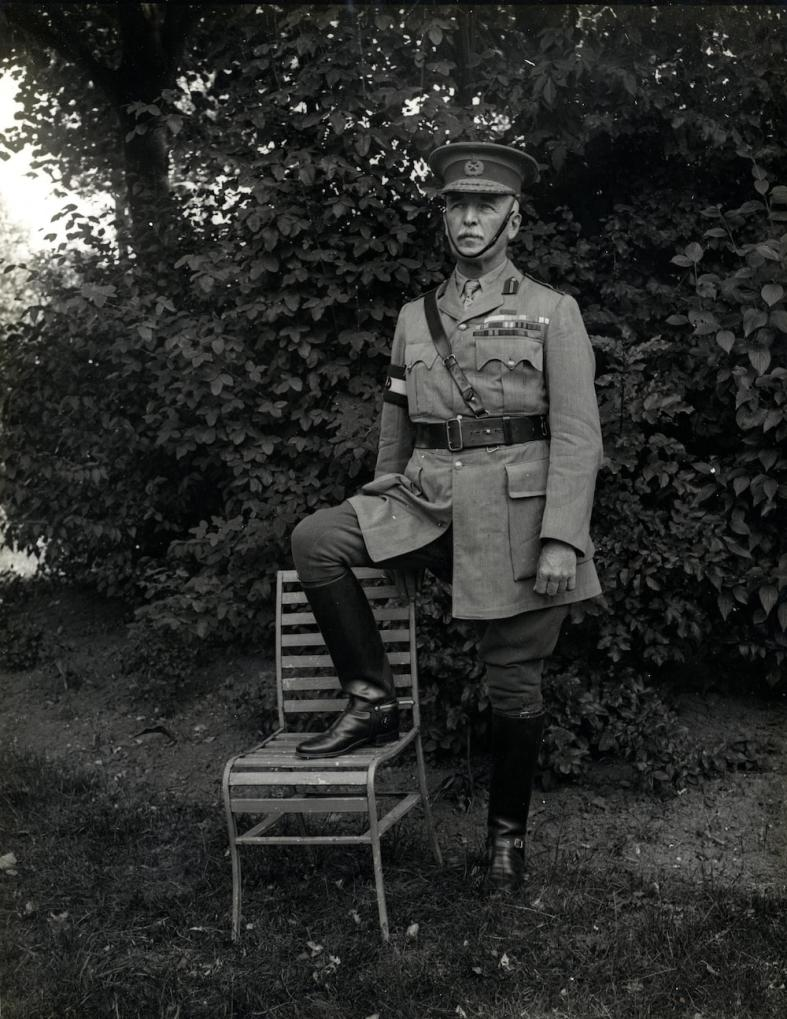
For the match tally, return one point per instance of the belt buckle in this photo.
(458, 422)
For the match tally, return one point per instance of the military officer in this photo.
(488, 453)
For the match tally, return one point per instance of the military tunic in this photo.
(503, 502)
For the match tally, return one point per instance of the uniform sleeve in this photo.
(575, 448)
(397, 433)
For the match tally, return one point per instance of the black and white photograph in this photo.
(393, 486)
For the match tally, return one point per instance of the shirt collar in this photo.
(486, 281)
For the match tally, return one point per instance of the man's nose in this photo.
(471, 214)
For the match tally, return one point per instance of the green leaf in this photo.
(771, 293)
(767, 251)
(694, 252)
(778, 318)
(725, 340)
(704, 322)
(753, 319)
(760, 359)
(725, 603)
(768, 595)
(682, 261)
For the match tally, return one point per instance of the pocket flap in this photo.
(527, 479)
(420, 353)
(510, 350)
(382, 484)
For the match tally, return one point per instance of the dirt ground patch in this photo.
(76, 708)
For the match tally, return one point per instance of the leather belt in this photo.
(468, 433)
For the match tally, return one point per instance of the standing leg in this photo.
(514, 651)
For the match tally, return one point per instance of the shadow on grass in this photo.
(120, 907)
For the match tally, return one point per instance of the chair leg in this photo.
(237, 891)
(232, 829)
(377, 860)
(426, 803)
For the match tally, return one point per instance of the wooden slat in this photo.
(252, 778)
(390, 613)
(310, 639)
(270, 757)
(372, 593)
(319, 706)
(325, 661)
(361, 572)
(302, 805)
(328, 682)
(302, 840)
(286, 759)
(312, 706)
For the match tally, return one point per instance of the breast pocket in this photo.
(420, 378)
(527, 486)
(509, 365)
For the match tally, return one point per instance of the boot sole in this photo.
(377, 741)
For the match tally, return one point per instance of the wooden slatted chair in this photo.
(270, 782)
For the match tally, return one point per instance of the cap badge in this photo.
(474, 167)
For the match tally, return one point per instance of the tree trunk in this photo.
(152, 38)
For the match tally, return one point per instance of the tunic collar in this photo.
(490, 297)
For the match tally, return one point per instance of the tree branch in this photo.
(59, 36)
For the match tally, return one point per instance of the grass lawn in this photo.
(119, 907)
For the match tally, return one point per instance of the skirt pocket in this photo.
(527, 485)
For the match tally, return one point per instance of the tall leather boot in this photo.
(515, 744)
(350, 632)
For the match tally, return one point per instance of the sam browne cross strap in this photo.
(443, 348)
(462, 433)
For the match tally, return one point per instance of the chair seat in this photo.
(278, 753)
(252, 779)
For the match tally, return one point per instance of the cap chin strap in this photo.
(491, 244)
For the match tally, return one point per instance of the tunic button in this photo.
(463, 325)
(511, 362)
(458, 464)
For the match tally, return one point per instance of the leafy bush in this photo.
(22, 643)
(171, 414)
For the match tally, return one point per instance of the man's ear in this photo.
(514, 223)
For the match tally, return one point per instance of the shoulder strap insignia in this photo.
(511, 285)
(541, 283)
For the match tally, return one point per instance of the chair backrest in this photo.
(306, 681)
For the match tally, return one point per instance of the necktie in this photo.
(471, 288)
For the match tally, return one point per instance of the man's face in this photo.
(474, 219)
